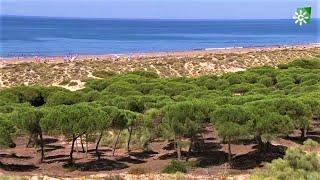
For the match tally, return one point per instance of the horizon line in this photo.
(105, 18)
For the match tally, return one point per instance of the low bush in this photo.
(175, 166)
(296, 164)
(306, 64)
(103, 73)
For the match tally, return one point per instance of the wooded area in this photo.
(259, 104)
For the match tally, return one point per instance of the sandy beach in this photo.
(59, 59)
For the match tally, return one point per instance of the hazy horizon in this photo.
(157, 9)
(105, 18)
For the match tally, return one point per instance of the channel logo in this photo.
(302, 16)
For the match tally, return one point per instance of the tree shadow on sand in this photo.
(203, 159)
(50, 140)
(15, 156)
(131, 160)
(102, 153)
(295, 139)
(255, 158)
(207, 155)
(211, 158)
(143, 154)
(203, 146)
(100, 150)
(57, 158)
(169, 146)
(49, 148)
(314, 135)
(170, 155)
(98, 165)
(18, 167)
(211, 146)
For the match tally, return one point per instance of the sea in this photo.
(45, 36)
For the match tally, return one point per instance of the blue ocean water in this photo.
(30, 36)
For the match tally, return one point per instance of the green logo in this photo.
(302, 16)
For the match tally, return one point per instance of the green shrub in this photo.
(6, 130)
(306, 63)
(221, 84)
(234, 78)
(147, 74)
(310, 145)
(267, 81)
(283, 66)
(6, 109)
(103, 73)
(240, 88)
(296, 164)
(175, 166)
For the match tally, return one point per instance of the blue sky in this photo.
(158, 9)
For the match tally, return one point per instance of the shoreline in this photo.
(113, 56)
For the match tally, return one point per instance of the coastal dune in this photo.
(72, 73)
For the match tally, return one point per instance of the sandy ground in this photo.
(210, 162)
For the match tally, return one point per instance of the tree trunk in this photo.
(287, 136)
(97, 145)
(229, 152)
(178, 150)
(190, 148)
(81, 142)
(76, 143)
(32, 141)
(260, 143)
(129, 139)
(42, 147)
(174, 142)
(191, 144)
(267, 146)
(303, 133)
(87, 146)
(74, 138)
(201, 147)
(28, 143)
(115, 144)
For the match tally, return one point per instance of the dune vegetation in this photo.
(138, 108)
(73, 75)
